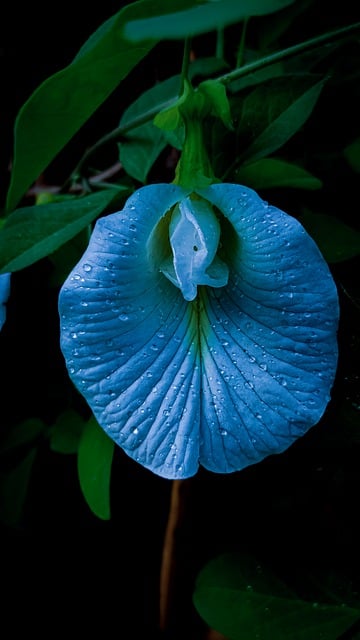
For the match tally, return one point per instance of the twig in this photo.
(170, 557)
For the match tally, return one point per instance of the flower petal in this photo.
(194, 236)
(226, 380)
(130, 339)
(268, 339)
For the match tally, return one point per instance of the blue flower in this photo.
(202, 329)
(4, 295)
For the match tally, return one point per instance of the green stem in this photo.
(225, 79)
(241, 49)
(185, 64)
(290, 52)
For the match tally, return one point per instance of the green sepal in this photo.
(215, 94)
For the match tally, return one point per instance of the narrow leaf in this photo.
(243, 600)
(268, 173)
(200, 19)
(94, 468)
(31, 233)
(275, 112)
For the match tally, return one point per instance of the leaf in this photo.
(143, 145)
(66, 432)
(94, 468)
(31, 233)
(14, 487)
(336, 240)
(63, 102)
(243, 600)
(273, 172)
(273, 112)
(22, 433)
(199, 19)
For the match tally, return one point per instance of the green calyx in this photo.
(194, 106)
(194, 168)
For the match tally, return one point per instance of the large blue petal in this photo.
(225, 380)
(130, 339)
(4, 295)
(268, 339)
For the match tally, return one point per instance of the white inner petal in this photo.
(194, 237)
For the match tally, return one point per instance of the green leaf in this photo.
(143, 145)
(14, 487)
(268, 173)
(66, 432)
(22, 433)
(243, 600)
(63, 102)
(31, 233)
(352, 154)
(202, 18)
(273, 112)
(94, 468)
(336, 240)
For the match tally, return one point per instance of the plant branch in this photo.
(171, 556)
(284, 54)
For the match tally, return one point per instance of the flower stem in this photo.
(170, 555)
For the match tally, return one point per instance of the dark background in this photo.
(61, 569)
